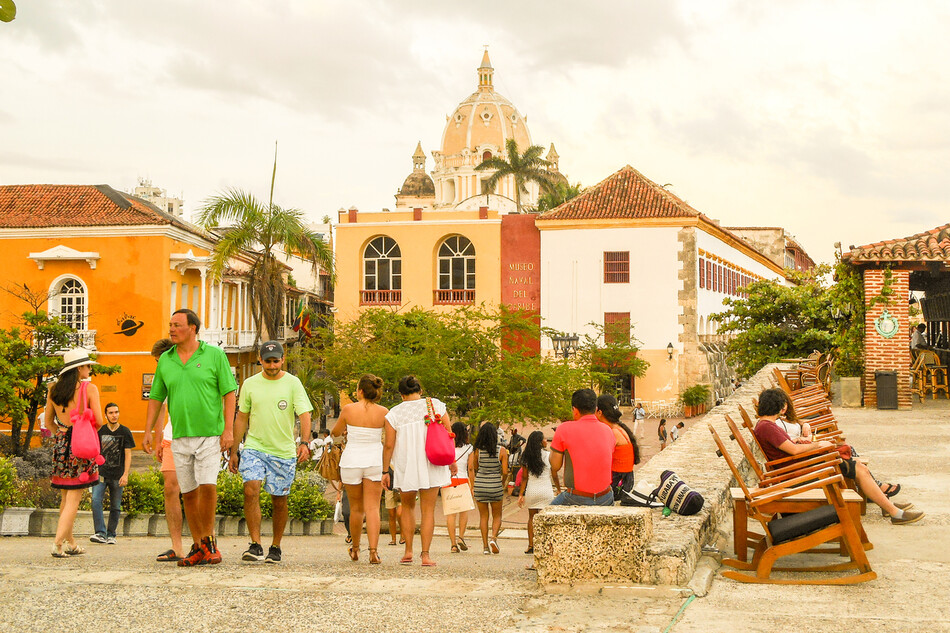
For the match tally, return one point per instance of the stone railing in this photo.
(639, 545)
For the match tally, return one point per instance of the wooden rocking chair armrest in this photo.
(784, 460)
(827, 458)
(825, 477)
(770, 482)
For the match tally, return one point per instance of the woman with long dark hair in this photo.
(71, 394)
(536, 479)
(626, 450)
(361, 465)
(463, 453)
(488, 469)
(405, 450)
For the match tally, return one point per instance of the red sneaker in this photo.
(195, 557)
(210, 548)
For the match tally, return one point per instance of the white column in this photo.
(174, 298)
(202, 302)
(220, 318)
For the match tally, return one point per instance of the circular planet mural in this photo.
(130, 327)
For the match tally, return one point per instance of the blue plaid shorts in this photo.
(276, 473)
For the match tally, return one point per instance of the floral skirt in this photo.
(67, 468)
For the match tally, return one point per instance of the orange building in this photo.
(115, 268)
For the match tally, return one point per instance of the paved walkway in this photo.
(318, 588)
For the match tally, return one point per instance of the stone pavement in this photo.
(317, 588)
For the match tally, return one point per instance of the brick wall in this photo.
(883, 354)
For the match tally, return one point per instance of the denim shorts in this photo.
(276, 473)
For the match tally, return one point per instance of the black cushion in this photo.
(792, 526)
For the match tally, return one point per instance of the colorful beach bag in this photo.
(440, 449)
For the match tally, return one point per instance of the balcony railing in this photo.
(380, 297)
(84, 338)
(230, 340)
(453, 297)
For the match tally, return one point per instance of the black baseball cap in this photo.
(271, 350)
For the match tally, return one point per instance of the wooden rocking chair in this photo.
(798, 533)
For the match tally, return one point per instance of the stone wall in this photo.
(574, 544)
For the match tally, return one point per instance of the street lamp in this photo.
(669, 350)
(565, 346)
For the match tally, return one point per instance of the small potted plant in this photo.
(694, 400)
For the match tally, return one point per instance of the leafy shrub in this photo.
(37, 493)
(230, 494)
(8, 483)
(695, 395)
(307, 503)
(35, 464)
(144, 494)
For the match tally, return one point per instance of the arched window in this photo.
(70, 302)
(382, 272)
(486, 155)
(456, 271)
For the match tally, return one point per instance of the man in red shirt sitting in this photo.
(585, 448)
(777, 444)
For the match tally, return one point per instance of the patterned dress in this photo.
(67, 468)
(489, 487)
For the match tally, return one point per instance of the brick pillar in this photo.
(887, 354)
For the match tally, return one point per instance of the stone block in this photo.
(851, 391)
(15, 521)
(43, 522)
(157, 525)
(326, 526)
(136, 525)
(84, 525)
(295, 527)
(230, 526)
(604, 544)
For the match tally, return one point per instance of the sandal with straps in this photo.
(374, 558)
(354, 554)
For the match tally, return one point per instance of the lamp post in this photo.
(669, 350)
(565, 346)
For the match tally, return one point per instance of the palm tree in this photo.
(262, 231)
(527, 167)
(558, 195)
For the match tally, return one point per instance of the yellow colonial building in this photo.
(448, 242)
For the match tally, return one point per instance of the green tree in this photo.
(608, 355)
(464, 358)
(7, 10)
(815, 313)
(558, 195)
(262, 231)
(30, 357)
(526, 167)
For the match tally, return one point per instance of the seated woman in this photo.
(776, 444)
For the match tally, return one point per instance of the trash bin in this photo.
(886, 382)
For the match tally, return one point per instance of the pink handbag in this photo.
(440, 449)
(85, 440)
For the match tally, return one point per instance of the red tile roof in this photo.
(626, 194)
(44, 206)
(932, 245)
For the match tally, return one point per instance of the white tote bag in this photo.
(457, 499)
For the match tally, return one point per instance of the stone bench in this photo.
(639, 545)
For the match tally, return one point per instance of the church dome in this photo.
(417, 184)
(485, 119)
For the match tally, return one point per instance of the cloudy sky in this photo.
(828, 118)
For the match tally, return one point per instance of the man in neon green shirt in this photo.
(270, 401)
(196, 379)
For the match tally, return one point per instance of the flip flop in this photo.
(168, 556)
(454, 549)
(431, 562)
(892, 490)
(393, 543)
(405, 560)
(462, 545)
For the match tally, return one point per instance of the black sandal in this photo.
(892, 490)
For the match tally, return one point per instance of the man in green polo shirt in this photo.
(270, 403)
(196, 379)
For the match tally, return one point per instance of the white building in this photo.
(627, 251)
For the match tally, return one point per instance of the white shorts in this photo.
(197, 461)
(355, 476)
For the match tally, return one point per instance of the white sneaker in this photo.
(111, 540)
(97, 538)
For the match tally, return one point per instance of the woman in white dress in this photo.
(536, 480)
(361, 465)
(405, 452)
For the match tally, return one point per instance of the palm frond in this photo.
(234, 206)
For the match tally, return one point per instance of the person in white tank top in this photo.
(361, 465)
